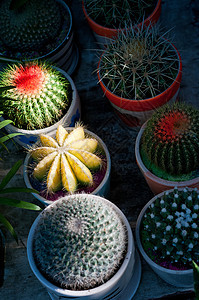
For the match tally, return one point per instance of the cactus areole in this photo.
(79, 242)
(170, 142)
(40, 94)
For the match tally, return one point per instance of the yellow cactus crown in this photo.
(66, 160)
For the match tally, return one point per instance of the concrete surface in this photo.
(128, 188)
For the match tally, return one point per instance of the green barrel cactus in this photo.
(40, 94)
(79, 242)
(117, 13)
(139, 64)
(170, 142)
(32, 25)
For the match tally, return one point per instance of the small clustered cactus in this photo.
(39, 97)
(118, 13)
(65, 162)
(79, 242)
(139, 63)
(32, 25)
(169, 229)
(170, 142)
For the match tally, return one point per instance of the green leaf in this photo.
(18, 190)
(10, 174)
(8, 137)
(18, 203)
(8, 226)
(15, 4)
(5, 123)
(196, 279)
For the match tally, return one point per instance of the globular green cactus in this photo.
(117, 13)
(170, 142)
(79, 242)
(32, 25)
(40, 94)
(169, 229)
(139, 64)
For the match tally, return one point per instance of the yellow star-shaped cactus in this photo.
(66, 160)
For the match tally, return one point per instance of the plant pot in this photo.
(103, 34)
(135, 112)
(122, 285)
(102, 189)
(73, 114)
(156, 184)
(179, 278)
(65, 55)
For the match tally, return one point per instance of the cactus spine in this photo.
(139, 64)
(31, 26)
(170, 141)
(67, 160)
(79, 242)
(40, 95)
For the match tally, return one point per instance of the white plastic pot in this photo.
(103, 188)
(73, 114)
(156, 184)
(179, 278)
(115, 288)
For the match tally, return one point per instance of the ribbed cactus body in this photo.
(65, 162)
(79, 242)
(31, 26)
(40, 95)
(170, 141)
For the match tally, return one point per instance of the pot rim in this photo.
(89, 292)
(104, 180)
(139, 244)
(149, 174)
(138, 103)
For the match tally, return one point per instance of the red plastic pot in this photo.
(102, 33)
(136, 112)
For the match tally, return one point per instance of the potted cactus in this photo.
(167, 235)
(81, 246)
(74, 160)
(167, 148)
(106, 18)
(41, 98)
(138, 72)
(38, 29)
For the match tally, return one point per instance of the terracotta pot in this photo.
(136, 112)
(156, 184)
(73, 114)
(122, 285)
(104, 34)
(102, 189)
(179, 278)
